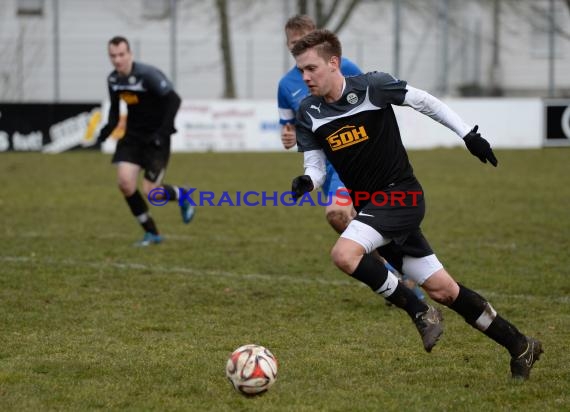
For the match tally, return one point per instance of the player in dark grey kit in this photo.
(152, 106)
(350, 122)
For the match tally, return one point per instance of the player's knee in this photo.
(344, 259)
(338, 219)
(126, 187)
(340, 258)
(441, 287)
(443, 297)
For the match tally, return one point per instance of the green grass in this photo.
(88, 322)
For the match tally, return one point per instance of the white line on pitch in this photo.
(255, 276)
(184, 270)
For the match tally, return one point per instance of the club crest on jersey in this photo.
(347, 136)
(352, 98)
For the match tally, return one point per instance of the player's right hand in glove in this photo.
(301, 185)
(479, 147)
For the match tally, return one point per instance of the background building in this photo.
(55, 50)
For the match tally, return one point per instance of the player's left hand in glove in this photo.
(100, 140)
(301, 185)
(156, 140)
(479, 147)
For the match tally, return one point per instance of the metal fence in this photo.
(450, 47)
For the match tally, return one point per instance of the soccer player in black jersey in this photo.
(291, 91)
(152, 106)
(350, 122)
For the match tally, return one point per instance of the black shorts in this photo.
(414, 245)
(152, 158)
(397, 213)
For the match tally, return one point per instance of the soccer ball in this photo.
(252, 369)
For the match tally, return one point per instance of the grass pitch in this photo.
(87, 322)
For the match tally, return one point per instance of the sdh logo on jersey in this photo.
(347, 136)
(129, 97)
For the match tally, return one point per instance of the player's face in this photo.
(293, 36)
(121, 58)
(321, 76)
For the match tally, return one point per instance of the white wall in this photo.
(505, 123)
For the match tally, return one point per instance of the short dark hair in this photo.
(115, 41)
(300, 22)
(325, 42)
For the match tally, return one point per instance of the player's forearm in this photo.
(315, 166)
(171, 102)
(112, 120)
(431, 106)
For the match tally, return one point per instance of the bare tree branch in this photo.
(324, 17)
(538, 18)
(302, 7)
(225, 44)
(346, 16)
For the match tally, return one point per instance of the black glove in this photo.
(156, 140)
(479, 147)
(301, 185)
(100, 140)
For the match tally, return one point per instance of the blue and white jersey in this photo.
(292, 89)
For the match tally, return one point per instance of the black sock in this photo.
(373, 273)
(480, 314)
(139, 209)
(149, 226)
(171, 192)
